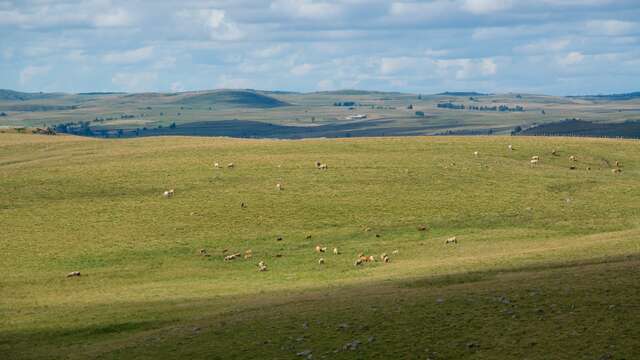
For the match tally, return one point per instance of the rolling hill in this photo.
(235, 98)
(545, 259)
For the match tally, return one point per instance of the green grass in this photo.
(560, 245)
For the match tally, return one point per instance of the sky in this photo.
(559, 47)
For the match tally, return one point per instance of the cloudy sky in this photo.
(544, 46)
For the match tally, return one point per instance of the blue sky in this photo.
(546, 46)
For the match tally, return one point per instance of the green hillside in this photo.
(545, 260)
(237, 98)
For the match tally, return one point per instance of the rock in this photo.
(439, 300)
(304, 353)
(351, 345)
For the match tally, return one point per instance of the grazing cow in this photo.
(395, 252)
(534, 162)
(320, 249)
(321, 261)
(318, 164)
(510, 147)
(535, 157)
(323, 167)
(617, 163)
(73, 274)
(168, 193)
(216, 165)
(231, 165)
(422, 228)
(384, 255)
(573, 158)
(204, 253)
(248, 254)
(243, 205)
(279, 187)
(358, 262)
(616, 171)
(554, 152)
(476, 153)
(335, 251)
(451, 240)
(386, 259)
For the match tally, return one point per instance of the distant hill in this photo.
(576, 127)
(462, 93)
(241, 98)
(11, 95)
(357, 92)
(623, 96)
(99, 93)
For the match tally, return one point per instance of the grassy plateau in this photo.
(546, 264)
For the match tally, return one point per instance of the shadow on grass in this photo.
(129, 322)
(259, 129)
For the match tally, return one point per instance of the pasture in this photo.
(546, 259)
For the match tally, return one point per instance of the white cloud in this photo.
(225, 82)
(571, 58)
(129, 56)
(481, 7)
(611, 27)
(167, 62)
(488, 67)
(113, 18)
(177, 87)
(325, 85)
(270, 51)
(37, 51)
(135, 82)
(302, 69)
(544, 46)
(78, 56)
(390, 66)
(464, 69)
(216, 23)
(27, 74)
(306, 9)
(411, 11)
(436, 53)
